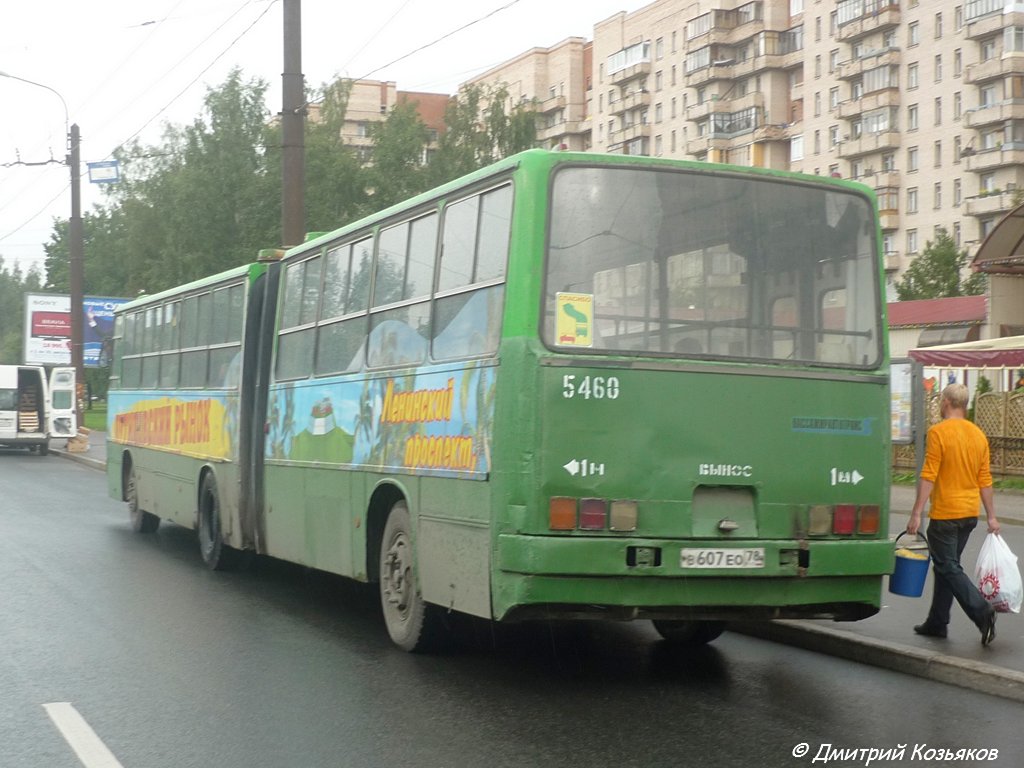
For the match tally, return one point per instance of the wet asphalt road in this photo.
(173, 666)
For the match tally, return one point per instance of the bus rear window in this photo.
(687, 264)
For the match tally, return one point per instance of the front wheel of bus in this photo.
(412, 624)
(689, 632)
(142, 522)
(216, 554)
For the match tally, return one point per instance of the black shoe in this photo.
(988, 628)
(930, 630)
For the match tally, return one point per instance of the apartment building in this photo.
(370, 101)
(556, 81)
(922, 100)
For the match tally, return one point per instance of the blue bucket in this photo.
(909, 575)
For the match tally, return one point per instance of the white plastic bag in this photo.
(997, 575)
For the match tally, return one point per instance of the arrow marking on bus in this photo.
(845, 477)
(584, 468)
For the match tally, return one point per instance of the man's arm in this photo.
(924, 490)
(988, 500)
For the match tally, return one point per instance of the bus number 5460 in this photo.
(590, 387)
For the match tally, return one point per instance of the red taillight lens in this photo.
(593, 514)
(562, 513)
(870, 519)
(844, 519)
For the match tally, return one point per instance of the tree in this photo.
(399, 143)
(937, 273)
(479, 130)
(13, 286)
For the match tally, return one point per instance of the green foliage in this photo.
(984, 385)
(207, 196)
(937, 273)
(14, 284)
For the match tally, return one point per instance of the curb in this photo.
(964, 673)
(80, 459)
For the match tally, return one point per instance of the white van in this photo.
(34, 407)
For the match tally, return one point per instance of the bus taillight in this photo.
(594, 514)
(870, 519)
(844, 519)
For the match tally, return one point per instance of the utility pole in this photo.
(75, 271)
(293, 114)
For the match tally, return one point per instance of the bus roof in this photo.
(543, 159)
(252, 270)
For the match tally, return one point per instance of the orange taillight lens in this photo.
(562, 513)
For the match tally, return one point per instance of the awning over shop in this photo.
(1002, 252)
(1006, 352)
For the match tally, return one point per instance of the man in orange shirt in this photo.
(955, 475)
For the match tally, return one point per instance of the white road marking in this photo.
(83, 739)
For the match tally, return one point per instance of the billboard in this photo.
(48, 328)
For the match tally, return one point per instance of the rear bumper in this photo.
(580, 577)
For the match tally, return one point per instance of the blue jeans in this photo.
(947, 539)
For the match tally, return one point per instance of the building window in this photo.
(912, 117)
(956, 150)
(817, 66)
(958, 18)
(796, 148)
(958, 62)
(938, 68)
(987, 182)
(938, 154)
(938, 25)
(659, 48)
(912, 76)
(938, 110)
(833, 98)
(957, 193)
(912, 159)
(986, 96)
(912, 200)
(833, 61)
(911, 241)
(888, 162)
(937, 193)
(985, 227)
(957, 105)
(817, 104)
(956, 233)
(817, 142)
(833, 135)
(988, 49)
(913, 34)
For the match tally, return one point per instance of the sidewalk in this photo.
(886, 639)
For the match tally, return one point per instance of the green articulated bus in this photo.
(566, 385)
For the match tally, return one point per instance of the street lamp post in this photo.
(76, 237)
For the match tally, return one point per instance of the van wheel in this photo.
(141, 521)
(412, 624)
(217, 555)
(689, 632)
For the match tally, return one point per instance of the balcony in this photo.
(869, 143)
(630, 132)
(630, 101)
(638, 70)
(997, 113)
(889, 219)
(716, 105)
(993, 23)
(988, 205)
(552, 104)
(992, 69)
(887, 97)
(881, 179)
(560, 129)
(891, 261)
(704, 144)
(876, 21)
(722, 71)
(990, 159)
(848, 70)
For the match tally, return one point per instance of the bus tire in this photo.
(217, 555)
(412, 624)
(44, 448)
(141, 521)
(687, 632)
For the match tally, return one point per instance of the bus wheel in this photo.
(142, 521)
(44, 448)
(689, 632)
(412, 624)
(216, 554)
